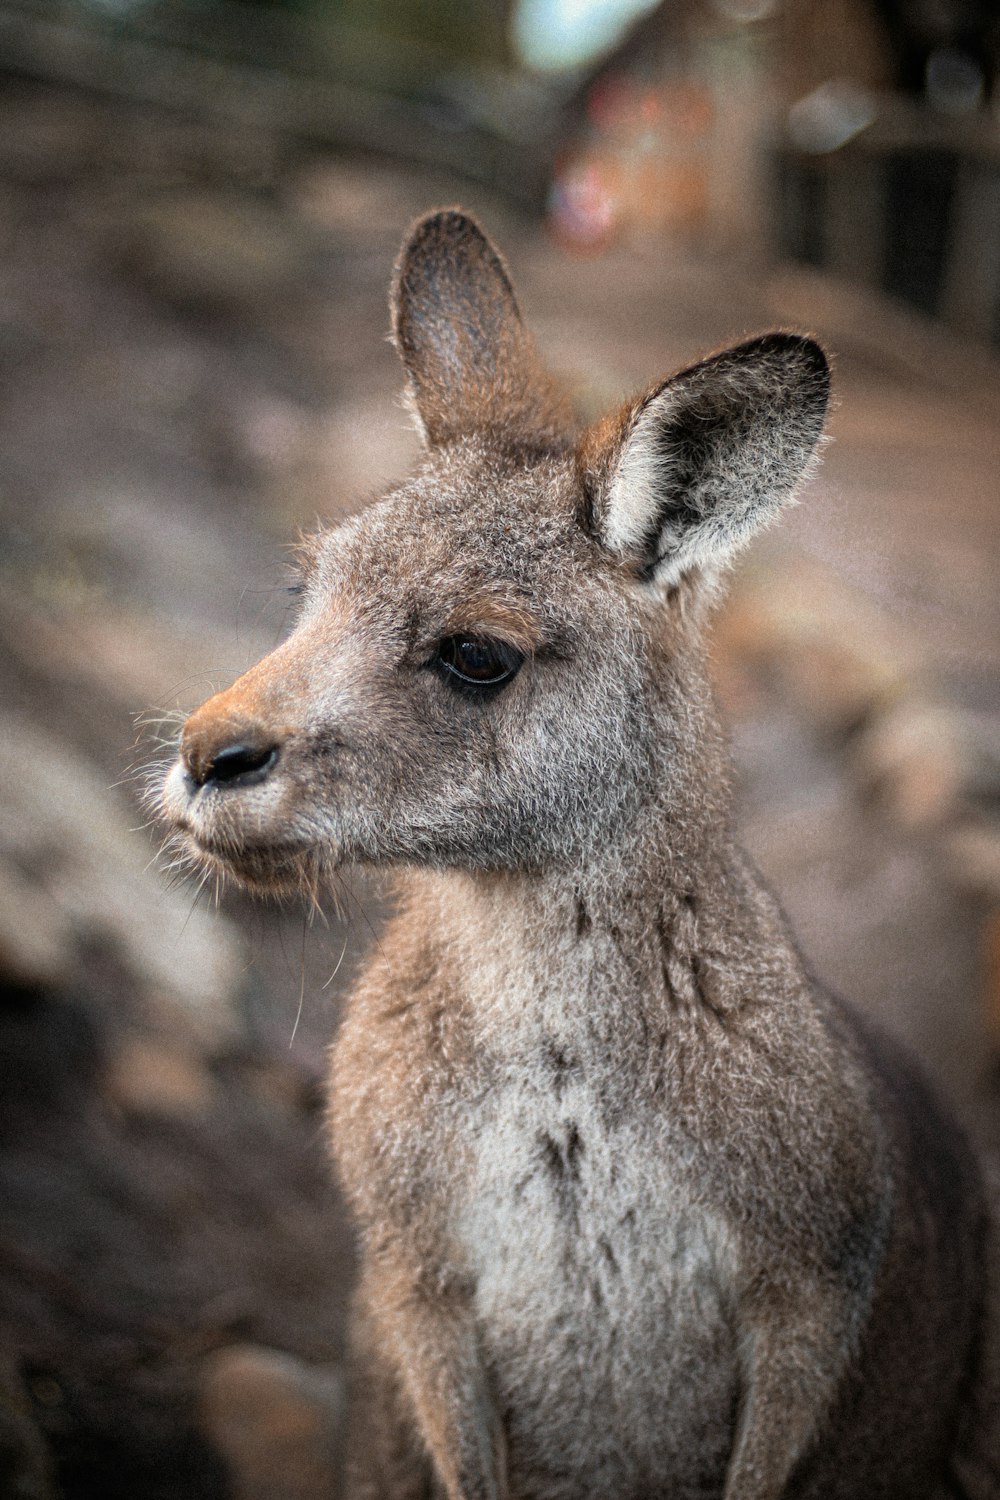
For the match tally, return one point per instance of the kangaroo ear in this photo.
(686, 475)
(470, 361)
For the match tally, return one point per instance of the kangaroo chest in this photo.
(602, 1296)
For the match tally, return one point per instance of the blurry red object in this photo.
(583, 204)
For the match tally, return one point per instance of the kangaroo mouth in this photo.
(269, 869)
(226, 832)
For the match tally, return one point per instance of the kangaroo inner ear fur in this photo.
(685, 476)
(470, 361)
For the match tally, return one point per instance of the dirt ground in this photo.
(193, 364)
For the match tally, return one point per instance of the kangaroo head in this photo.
(497, 665)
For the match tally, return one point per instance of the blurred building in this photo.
(856, 136)
(859, 136)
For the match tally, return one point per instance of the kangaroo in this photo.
(643, 1212)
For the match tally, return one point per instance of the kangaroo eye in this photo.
(477, 661)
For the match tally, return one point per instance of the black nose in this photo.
(241, 764)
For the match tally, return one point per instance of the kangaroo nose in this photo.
(241, 762)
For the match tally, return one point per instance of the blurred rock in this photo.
(80, 876)
(36, 940)
(212, 251)
(815, 640)
(277, 1421)
(912, 760)
(253, 438)
(290, 1085)
(147, 1077)
(793, 625)
(927, 762)
(44, 138)
(25, 1469)
(972, 852)
(991, 966)
(364, 446)
(349, 200)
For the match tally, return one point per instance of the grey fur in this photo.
(642, 1211)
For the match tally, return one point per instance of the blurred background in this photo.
(200, 201)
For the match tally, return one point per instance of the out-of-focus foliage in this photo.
(462, 29)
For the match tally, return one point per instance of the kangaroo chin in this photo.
(244, 833)
(642, 1211)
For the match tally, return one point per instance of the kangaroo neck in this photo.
(649, 929)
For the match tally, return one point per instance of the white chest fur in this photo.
(602, 1293)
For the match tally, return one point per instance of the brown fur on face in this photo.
(643, 1213)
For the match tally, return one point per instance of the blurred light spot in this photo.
(561, 34)
(582, 206)
(955, 82)
(830, 116)
(745, 11)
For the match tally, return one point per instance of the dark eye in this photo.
(478, 661)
